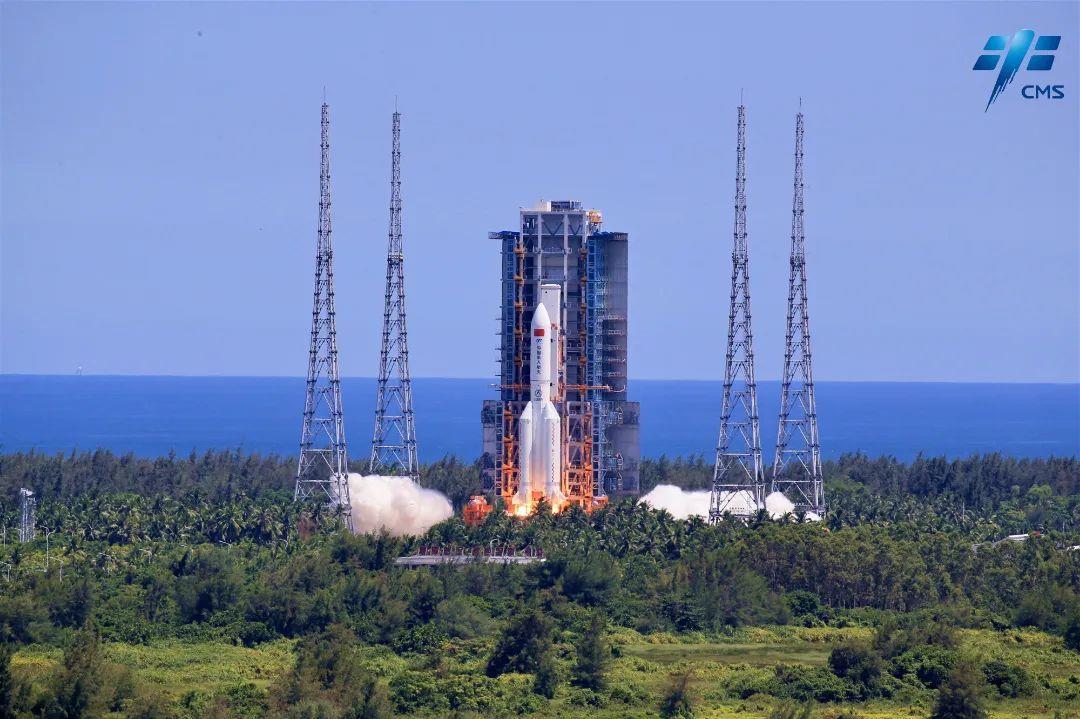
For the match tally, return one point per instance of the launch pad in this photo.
(561, 258)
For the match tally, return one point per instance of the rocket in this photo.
(539, 427)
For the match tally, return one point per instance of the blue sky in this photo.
(160, 180)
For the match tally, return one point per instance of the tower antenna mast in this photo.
(27, 515)
(393, 447)
(323, 468)
(797, 465)
(738, 452)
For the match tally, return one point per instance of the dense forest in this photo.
(904, 597)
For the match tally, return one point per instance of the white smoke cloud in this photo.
(683, 505)
(396, 504)
(779, 505)
(680, 504)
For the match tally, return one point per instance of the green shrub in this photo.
(812, 683)
(678, 702)
(1071, 631)
(526, 639)
(470, 693)
(251, 634)
(803, 604)
(630, 694)
(459, 617)
(415, 691)
(591, 580)
(593, 655)
(1047, 608)
(207, 581)
(859, 664)
(727, 592)
(929, 664)
(790, 710)
(959, 697)
(744, 683)
(891, 639)
(421, 639)
(1010, 680)
(587, 698)
(547, 677)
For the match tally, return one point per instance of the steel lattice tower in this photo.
(797, 466)
(324, 465)
(27, 515)
(393, 447)
(738, 452)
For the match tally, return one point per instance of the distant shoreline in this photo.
(150, 415)
(492, 379)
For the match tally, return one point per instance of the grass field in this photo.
(639, 674)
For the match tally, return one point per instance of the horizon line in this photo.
(494, 380)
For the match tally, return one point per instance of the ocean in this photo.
(152, 416)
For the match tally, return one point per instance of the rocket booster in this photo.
(539, 427)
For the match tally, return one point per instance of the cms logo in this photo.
(1050, 92)
(1007, 54)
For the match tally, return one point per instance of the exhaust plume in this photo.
(396, 504)
(685, 504)
(678, 503)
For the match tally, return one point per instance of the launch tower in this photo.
(738, 480)
(27, 515)
(562, 243)
(797, 465)
(323, 468)
(393, 446)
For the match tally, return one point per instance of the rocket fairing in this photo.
(539, 427)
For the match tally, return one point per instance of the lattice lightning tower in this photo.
(323, 468)
(28, 515)
(797, 466)
(738, 453)
(393, 447)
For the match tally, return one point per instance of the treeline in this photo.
(216, 474)
(979, 481)
(231, 497)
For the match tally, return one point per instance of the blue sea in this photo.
(152, 415)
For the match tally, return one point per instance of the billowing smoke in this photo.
(680, 504)
(396, 504)
(683, 505)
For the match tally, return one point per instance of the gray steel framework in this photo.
(738, 453)
(28, 515)
(797, 465)
(323, 468)
(393, 446)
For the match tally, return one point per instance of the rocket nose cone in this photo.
(540, 318)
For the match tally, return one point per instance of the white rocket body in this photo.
(539, 427)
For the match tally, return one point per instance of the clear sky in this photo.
(160, 180)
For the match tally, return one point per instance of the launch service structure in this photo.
(566, 277)
(323, 469)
